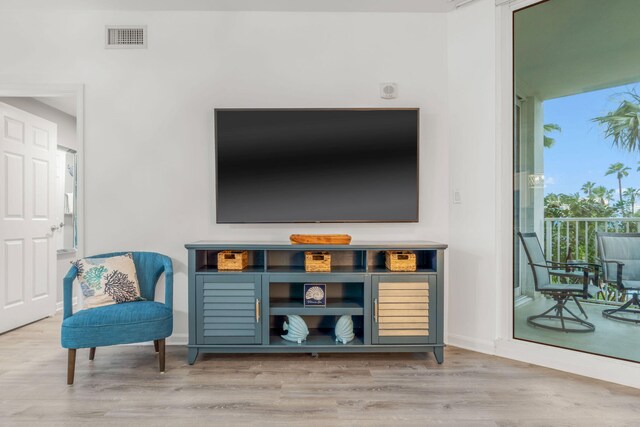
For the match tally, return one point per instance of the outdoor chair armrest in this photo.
(619, 267)
(552, 264)
(590, 266)
(577, 265)
(612, 261)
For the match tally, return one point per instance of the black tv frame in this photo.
(416, 109)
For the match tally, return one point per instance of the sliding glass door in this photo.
(576, 173)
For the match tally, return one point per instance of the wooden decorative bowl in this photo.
(320, 239)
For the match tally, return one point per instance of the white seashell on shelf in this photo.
(296, 329)
(315, 292)
(344, 329)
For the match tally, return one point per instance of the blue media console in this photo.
(244, 311)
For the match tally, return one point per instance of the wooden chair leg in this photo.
(155, 345)
(71, 365)
(161, 354)
(92, 353)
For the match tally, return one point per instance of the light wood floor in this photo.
(122, 387)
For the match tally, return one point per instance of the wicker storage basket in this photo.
(400, 261)
(317, 261)
(233, 260)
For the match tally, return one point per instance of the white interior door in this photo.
(27, 251)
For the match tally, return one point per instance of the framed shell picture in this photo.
(315, 295)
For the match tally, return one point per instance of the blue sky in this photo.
(581, 152)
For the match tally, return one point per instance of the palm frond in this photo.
(622, 126)
(548, 128)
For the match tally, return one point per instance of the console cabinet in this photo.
(404, 309)
(244, 311)
(228, 309)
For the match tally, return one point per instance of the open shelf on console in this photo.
(426, 261)
(342, 261)
(335, 306)
(207, 262)
(341, 298)
(321, 331)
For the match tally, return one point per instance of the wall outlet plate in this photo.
(457, 197)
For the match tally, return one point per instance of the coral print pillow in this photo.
(106, 281)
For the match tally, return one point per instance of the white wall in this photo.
(66, 138)
(472, 168)
(148, 113)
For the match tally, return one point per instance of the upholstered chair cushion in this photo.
(117, 324)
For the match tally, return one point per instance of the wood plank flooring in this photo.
(122, 386)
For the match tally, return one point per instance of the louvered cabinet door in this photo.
(404, 309)
(228, 309)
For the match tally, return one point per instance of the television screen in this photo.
(318, 165)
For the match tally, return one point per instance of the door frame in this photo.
(32, 90)
(504, 345)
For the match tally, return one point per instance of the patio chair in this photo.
(620, 258)
(543, 271)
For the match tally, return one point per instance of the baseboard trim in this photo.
(175, 339)
(178, 339)
(60, 304)
(470, 343)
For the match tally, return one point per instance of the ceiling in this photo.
(241, 5)
(565, 47)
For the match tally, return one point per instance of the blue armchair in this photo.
(124, 323)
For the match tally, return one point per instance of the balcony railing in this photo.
(579, 234)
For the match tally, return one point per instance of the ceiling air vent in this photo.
(126, 37)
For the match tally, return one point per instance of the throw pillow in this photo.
(106, 281)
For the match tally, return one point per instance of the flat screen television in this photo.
(316, 165)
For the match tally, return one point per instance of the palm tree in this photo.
(623, 124)
(608, 196)
(600, 193)
(630, 194)
(621, 171)
(588, 187)
(619, 207)
(548, 128)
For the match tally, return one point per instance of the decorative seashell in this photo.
(297, 330)
(315, 292)
(344, 329)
